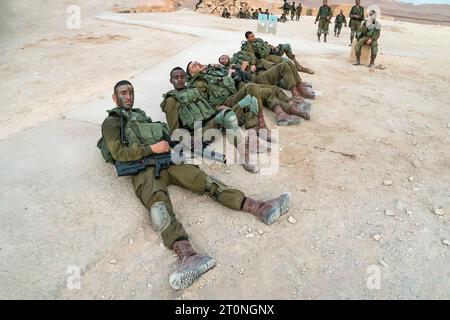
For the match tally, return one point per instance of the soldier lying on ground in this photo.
(263, 50)
(271, 78)
(185, 105)
(207, 78)
(143, 137)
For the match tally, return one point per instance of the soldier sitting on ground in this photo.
(185, 105)
(272, 77)
(263, 50)
(226, 14)
(141, 138)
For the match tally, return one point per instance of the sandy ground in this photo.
(61, 205)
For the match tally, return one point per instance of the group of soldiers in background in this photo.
(295, 11)
(292, 9)
(365, 31)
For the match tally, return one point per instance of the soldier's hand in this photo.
(231, 71)
(253, 68)
(220, 108)
(160, 147)
(369, 41)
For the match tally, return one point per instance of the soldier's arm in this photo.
(376, 35)
(120, 152)
(318, 14)
(171, 108)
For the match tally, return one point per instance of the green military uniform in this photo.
(298, 12)
(324, 16)
(141, 133)
(355, 23)
(292, 11)
(338, 21)
(368, 31)
(184, 107)
(286, 8)
(266, 56)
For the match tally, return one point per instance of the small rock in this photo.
(250, 235)
(384, 264)
(409, 212)
(113, 261)
(260, 231)
(438, 211)
(291, 219)
(131, 241)
(149, 285)
(414, 143)
(377, 237)
(227, 171)
(448, 125)
(388, 213)
(411, 179)
(387, 182)
(417, 163)
(446, 242)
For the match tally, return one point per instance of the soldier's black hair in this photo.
(121, 83)
(187, 68)
(247, 34)
(175, 69)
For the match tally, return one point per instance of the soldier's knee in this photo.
(214, 187)
(159, 216)
(227, 119)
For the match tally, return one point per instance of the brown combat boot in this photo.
(372, 61)
(358, 60)
(302, 110)
(262, 125)
(295, 93)
(305, 93)
(192, 265)
(268, 211)
(284, 119)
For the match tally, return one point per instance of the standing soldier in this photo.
(340, 19)
(286, 8)
(324, 17)
(369, 34)
(298, 12)
(356, 17)
(292, 11)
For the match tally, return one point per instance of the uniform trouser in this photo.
(151, 190)
(276, 59)
(250, 120)
(245, 118)
(337, 28)
(292, 15)
(354, 27)
(323, 26)
(373, 46)
(275, 74)
(274, 96)
(297, 16)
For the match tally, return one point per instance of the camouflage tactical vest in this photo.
(194, 107)
(220, 86)
(241, 56)
(138, 129)
(259, 47)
